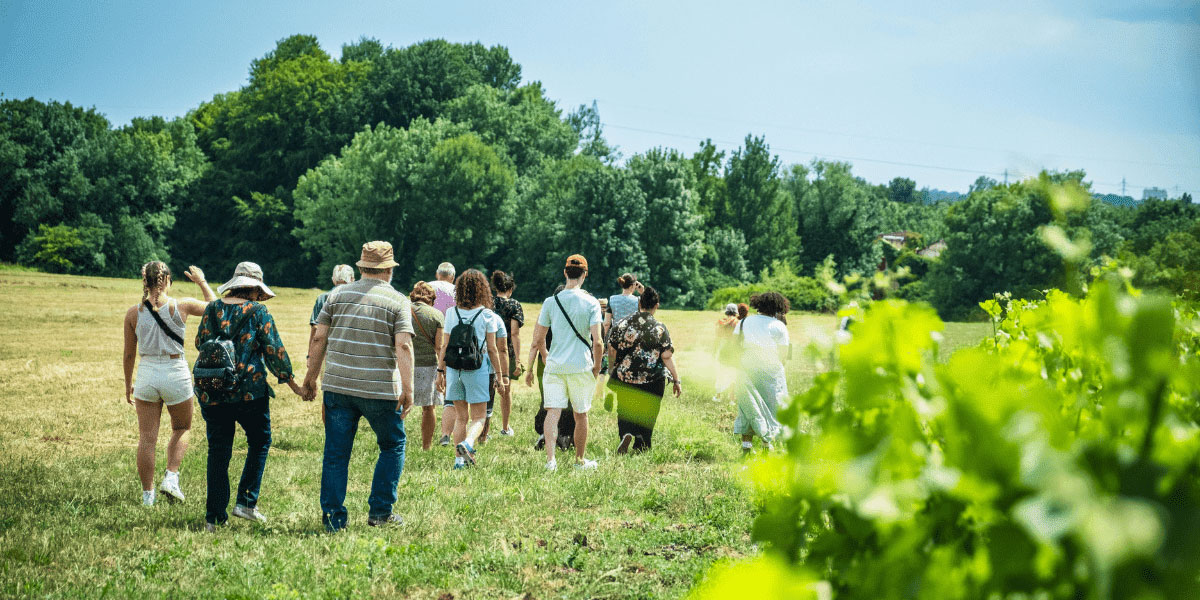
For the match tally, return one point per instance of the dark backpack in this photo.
(464, 352)
(216, 363)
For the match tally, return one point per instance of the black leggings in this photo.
(637, 409)
(566, 421)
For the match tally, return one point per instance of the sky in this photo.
(940, 92)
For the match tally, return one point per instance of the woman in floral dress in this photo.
(640, 354)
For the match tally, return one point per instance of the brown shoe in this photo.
(626, 441)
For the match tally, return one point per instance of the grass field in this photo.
(71, 523)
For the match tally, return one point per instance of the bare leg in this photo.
(550, 430)
(581, 433)
(148, 414)
(181, 424)
(428, 422)
(448, 421)
(460, 425)
(478, 413)
(505, 408)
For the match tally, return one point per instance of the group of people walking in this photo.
(453, 342)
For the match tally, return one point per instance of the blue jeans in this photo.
(341, 423)
(220, 421)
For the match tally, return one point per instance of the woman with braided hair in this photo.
(154, 331)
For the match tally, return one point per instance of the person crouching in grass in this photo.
(239, 316)
(154, 330)
(471, 332)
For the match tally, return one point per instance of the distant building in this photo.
(1153, 193)
(934, 250)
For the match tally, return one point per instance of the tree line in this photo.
(445, 150)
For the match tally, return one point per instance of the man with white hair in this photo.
(443, 285)
(342, 274)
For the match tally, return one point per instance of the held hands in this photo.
(194, 274)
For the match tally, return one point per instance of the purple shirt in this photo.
(444, 300)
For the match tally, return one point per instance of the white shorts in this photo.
(163, 379)
(424, 383)
(577, 388)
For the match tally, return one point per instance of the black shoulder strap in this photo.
(154, 313)
(568, 318)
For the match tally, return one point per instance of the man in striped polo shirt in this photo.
(365, 333)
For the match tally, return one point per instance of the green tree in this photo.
(706, 166)
(434, 190)
(757, 205)
(839, 215)
(522, 122)
(902, 189)
(672, 236)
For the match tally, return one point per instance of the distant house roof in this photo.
(933, 250)
(897, 238)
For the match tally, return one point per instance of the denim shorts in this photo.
(467, 386)
(163, 379)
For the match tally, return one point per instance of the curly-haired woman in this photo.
(154, 330)
(470, 389)
(763, 381)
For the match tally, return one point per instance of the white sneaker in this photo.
(170, 486)
(587, 465)
(249, 514)
(552, 465)
(507, 432)
(147, 497)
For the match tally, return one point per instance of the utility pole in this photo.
(1006, 177)
(1122, 186)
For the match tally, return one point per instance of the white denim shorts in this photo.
(577, 388)
(163, 379)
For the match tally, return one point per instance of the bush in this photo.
(65, 249)
(804, 293)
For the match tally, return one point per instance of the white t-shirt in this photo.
(568, 354)
(764, 336)
(488, 322)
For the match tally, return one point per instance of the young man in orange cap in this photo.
(573, 362)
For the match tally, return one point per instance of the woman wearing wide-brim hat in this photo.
(241, 317)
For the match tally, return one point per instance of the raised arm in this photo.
(191, 306)
(129, 355)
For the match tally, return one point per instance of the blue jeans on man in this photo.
(221, 422)
(342, 413)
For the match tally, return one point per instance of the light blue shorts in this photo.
(468, 386)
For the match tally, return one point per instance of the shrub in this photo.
(804, 293)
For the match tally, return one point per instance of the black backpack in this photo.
(464, 352)
(216, 363)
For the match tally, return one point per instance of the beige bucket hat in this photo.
(247, 274)
(377, 255)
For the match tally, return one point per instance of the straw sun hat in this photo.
(247, 274)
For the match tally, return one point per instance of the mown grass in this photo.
(71, 524)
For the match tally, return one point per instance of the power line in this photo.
(891, 139)
(1005, 173)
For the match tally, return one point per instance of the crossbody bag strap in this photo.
(568, 318)
(157, 319)
(420, 326)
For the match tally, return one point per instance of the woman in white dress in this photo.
(762, 384)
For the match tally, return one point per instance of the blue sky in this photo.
(937, 91)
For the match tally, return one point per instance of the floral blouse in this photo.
(509, 310)
(258, 349)
(640, 341)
